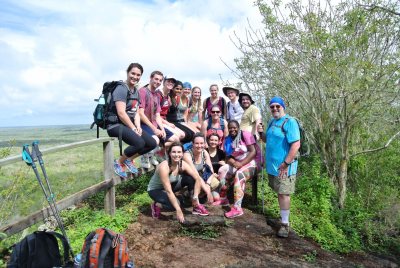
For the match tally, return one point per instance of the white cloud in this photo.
(59, 53)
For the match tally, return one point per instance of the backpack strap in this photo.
(65, 244)
(228, 105)
(284, 122)
(95, 246)
(120, 251)
(222, 123)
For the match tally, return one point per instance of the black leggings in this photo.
(160, 196)
(137, 144)
(189, 134)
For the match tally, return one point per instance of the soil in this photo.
(246, 241)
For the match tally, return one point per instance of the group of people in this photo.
(208, 145)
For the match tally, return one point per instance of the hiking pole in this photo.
(37, 155)
(262, 176)
(29, 160)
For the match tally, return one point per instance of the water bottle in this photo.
(77, 260)
(130, 264)
(101, 99)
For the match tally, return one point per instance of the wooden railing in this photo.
(109, 183)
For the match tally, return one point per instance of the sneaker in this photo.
(155, 211)
(144, 161)
(130, 166)
(153, 161)
(200, 210)
(283, 230)
(119, 170)
(234, 212)
(221, 202)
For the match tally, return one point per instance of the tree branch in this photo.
(380, 148)
(372, 7)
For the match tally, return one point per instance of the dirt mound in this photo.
(246, 241)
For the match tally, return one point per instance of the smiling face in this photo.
(214, 91)
(176, 153)
(187, 91)
(215, 113)
(277, 110)
(246, 102)
(233, 129)
(198, 144)
(213, 141)
(231, 94)
(155, 81)
(133, 76)
(178, 90)
(196, 93)
(169, 84)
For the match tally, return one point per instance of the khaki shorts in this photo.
(282, 186)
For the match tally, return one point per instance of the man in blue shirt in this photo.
(282, 139)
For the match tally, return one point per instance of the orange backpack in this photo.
(104, 248)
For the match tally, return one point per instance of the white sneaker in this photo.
(145, 161)
(153, 161)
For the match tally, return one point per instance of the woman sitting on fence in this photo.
(241, 165)
(195, 114)
(168, 179)
(200, 159)
(124, 122)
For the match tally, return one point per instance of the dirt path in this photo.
(247, 241)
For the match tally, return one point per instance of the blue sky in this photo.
(57, 54)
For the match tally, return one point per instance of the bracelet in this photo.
(287, 164)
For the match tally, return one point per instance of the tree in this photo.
(337, 66)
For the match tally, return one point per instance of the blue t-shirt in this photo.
(278, 144)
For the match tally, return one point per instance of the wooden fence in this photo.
(109, 183)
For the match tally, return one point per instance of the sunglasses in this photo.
(275, 106)
(215, 112)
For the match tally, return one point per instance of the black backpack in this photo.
(105, 248)
(40, 250)
(105, 112)
(304, 149)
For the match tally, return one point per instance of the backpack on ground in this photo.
(40, 250)
(105, 248)
(304, 149)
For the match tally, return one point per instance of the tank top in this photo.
(155, 181)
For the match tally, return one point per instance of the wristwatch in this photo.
(287, 164)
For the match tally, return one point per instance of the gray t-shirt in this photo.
(121, 94)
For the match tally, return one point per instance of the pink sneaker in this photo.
(155, 211)
(235, 212)
(200, 210)
(221, 202)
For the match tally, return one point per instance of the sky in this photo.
(56, 55)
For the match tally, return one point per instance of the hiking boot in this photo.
(200, 210)
(119, 170)
(155, 211)
(144, 161)
(130, 166)
(283, 230)
(234, 212)
(221, 202)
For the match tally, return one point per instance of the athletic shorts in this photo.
(282, 186)
(168, 134)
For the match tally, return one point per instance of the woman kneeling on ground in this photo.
(168, 179)
(199, 158)
(240, 147)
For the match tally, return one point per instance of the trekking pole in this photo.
(262, 176)
(30, 161)
(38, 154)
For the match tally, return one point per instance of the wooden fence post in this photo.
(108, 156)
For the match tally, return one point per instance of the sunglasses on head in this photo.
(275, 106)
(215, 112)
